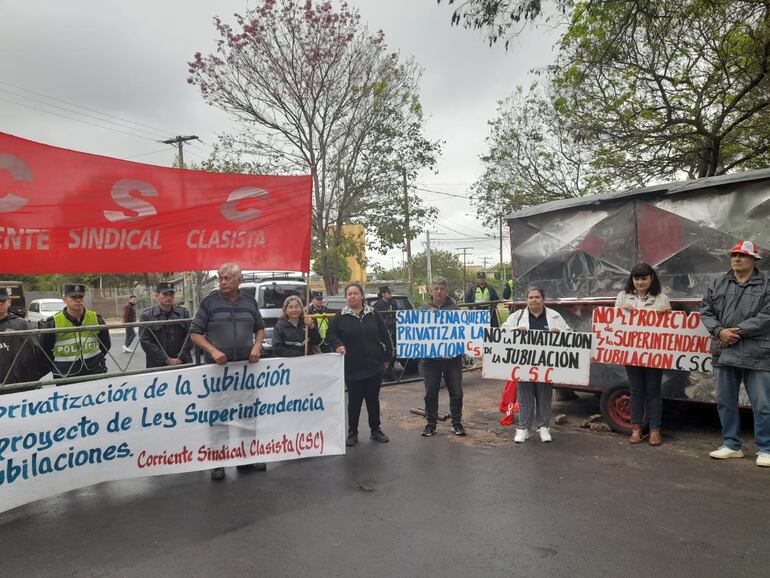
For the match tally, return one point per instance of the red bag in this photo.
(508, 404)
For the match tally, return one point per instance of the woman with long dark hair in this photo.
(359, 333)
(643, 291)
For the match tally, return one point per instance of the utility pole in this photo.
(190, 286)
(502, 271)
(408, 231)
(484, 262)
(465, 252)
(179, 142)
(427, 257)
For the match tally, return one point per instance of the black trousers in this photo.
(364, 389)
(452, 371)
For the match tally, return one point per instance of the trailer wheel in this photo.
(615, 404)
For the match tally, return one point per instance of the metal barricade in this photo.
(29, 350)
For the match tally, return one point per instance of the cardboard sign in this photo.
(646, 338)
(436, 334)
(545, 356)
(58, 439)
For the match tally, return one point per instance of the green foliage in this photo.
(500, 19)
(664, 90)
(533, 156)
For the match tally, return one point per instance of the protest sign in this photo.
(58, 439)
(546, 356)
(646, 338)
(436, 334)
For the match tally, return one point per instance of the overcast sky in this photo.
(110, 78)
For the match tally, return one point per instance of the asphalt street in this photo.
(587, 504)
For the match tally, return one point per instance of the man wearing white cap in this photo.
(736, 311)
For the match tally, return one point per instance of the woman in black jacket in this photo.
(359, 333)
(289, 331)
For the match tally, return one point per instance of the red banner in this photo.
(63, 211)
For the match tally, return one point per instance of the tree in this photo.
(315, 91)
(661, 90)
(533, 157)
(443, 264)
(501, 18)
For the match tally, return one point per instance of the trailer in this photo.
(580, 251)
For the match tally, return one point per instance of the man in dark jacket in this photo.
(387, 307)
(450, 368)
(736, 311)
(170, 343)
(481, 293)
(19, 359)
(129, 316)
(77, 352)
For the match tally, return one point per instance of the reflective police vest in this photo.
(481, 294)
(74, 348)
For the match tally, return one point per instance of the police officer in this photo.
(167, 344)
(387, 307)
(76, 353)
(317, 307)
(481, 292)
(18, 356)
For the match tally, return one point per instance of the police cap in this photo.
(75, 290)
(165, 287)
(4, 294)
(318, 294)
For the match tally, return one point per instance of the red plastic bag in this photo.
(508, 404)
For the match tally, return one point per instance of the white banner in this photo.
(674, 340)
(58, 439)
(435, 334)
(544, 356)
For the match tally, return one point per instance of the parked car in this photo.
(16, 292)
(43, 309)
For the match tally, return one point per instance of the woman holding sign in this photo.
(359, 333)
(643, 291)
(535, 397)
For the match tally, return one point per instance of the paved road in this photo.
(588, 504)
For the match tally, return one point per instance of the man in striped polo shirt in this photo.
(228, 327)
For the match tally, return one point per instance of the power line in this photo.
(161, 131)
(78, 120)
(442, 193)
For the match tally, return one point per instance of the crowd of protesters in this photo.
(228, 327)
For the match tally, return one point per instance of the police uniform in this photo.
(322, 323)
(76, 353)
(19, 356)
(388, 308)
(479, 294)
(167, 341)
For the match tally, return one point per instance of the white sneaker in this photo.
(725, 453)
(545, 434)
(763, 459)
(127, 349)
(521, 436)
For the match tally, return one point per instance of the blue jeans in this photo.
(130, 334)
(757, 385)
